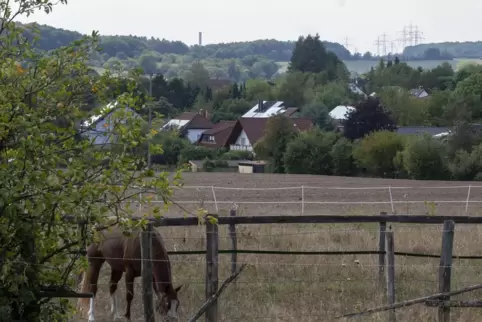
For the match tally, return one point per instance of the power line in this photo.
(378, 44)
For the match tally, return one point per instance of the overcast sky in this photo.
(362, 21)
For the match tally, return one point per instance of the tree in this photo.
(376, 153)
(310, 56)
(198, 75)
(309, 153)
(148, 63)
(320, 115)
(423, 159)
(272, 146)
(368, 116)
(52, 175)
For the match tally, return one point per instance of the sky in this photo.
(356, 22)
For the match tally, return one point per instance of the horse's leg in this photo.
(115, 277)
(93, 277)
(129, 291)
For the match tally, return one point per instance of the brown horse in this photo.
(124, 255)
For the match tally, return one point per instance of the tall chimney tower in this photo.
(200, 38)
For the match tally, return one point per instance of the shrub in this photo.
(377, 151)
(423, 159)
(193, 152)
(342, 158)
(310, 153)
(465, 165)
(237, 155)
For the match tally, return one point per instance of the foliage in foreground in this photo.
(52, 177)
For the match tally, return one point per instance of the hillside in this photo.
(467, 49)
(133, 46)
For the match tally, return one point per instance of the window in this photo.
(208, 139)
(243, 141)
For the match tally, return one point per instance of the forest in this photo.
(237, 61)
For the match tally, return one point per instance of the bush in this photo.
(467, 166)
(377, 151)
(342, 158)
(310, 153)
(172, 146)
(423, 159)
(193, 152)
(237, 155)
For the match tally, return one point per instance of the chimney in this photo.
(260, 106)
(206, 114)
(201, 112)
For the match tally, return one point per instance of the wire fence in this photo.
(459, 199)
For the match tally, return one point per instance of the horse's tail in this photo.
(83, 304)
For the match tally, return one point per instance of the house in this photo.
(190, 124)
(99, 127)
(218, 136)
(248, 130)
(419, 92)
(339, 112)
(270, 108)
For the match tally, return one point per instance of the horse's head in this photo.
(168, 304)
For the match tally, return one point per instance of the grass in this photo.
(315, 288)
(363, 66)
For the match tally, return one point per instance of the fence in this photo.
(306, 199)
(386, 258)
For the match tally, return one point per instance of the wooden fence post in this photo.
(390, 252)
(234, 242)
(381, 248)
(212, 247)
(146, 271)
(445, 269)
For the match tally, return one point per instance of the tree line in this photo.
(237, 61)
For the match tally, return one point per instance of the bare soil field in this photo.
(317, 288)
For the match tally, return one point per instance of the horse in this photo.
(123, 253)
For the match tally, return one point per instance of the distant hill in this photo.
(133, 46)
(467, 49)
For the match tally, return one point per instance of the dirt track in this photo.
(413, 198)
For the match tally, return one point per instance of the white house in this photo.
(247, 131)
(191, 125)
(270, 108)
(339, 112)
(99, 127)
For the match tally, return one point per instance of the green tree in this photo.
(148, 63)
(52, 176)
(376, 153)
(310, 153)
(311, 56)
(320, 115)
(423, 159)
(271, 147)
(198, 75)
(342, 158)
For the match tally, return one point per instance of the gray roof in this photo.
(422, 129)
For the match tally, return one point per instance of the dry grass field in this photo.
(317, 288)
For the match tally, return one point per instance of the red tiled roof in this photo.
(221, 132)
(255, 126)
